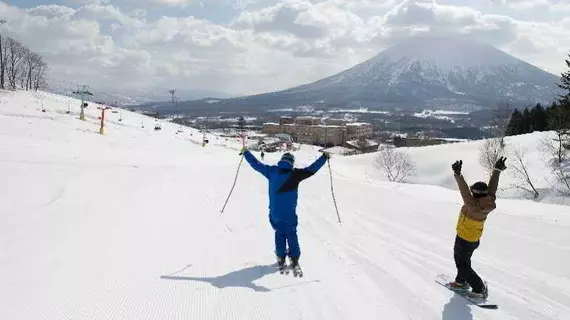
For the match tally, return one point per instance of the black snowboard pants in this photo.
(462, 252)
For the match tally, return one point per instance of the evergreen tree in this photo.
(565, 83)
(514, 126)
(562, 113)
(558, 119)
(526, 123)
(539, 118)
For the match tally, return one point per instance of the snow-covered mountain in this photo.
(434, 70)
(425, 71)
(127, 225)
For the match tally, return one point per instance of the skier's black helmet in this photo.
(479, 189)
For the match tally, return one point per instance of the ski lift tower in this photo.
(103, 108)
(82, 91)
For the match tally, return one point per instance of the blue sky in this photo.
(254, 46)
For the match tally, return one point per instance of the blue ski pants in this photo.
(286, 234)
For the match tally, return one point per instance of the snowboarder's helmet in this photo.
(288, 158)
(480, 189)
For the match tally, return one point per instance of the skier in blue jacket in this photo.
(284, 181)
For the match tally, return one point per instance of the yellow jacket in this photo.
(474, 211)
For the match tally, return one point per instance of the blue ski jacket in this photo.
(283, 187)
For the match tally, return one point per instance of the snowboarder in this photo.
(284, 181)
(262, 155)
(478, 202)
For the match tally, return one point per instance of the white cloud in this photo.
(553, 6)
(140, 3)
(304, 28)
(171, 3)
(86, 2)
(264, 47)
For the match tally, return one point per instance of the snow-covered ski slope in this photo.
(128, 226)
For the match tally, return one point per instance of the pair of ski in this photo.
(285, 269)
(445, 281)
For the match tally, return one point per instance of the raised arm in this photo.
(313, 168)
(468, 199)
(317, 165)
(255, 164)
(494, 180)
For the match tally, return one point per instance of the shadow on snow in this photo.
(457, 309)
(239, 278)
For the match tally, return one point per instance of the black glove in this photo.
(457, 167)
(500, 164)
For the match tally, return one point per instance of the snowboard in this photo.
(444, 280)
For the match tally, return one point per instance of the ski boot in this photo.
(297, 271)
(459, 286)
(479, 296)
(281, 266)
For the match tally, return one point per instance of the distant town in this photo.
(359, 130)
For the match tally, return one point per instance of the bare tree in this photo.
(556, 152)
(20, 68)
(39, 80)
(490, 151)
(29, 65)
(552, 147)
(521, 175)
(561, 174)
(396, 164)
(35, 70)
(16, 57)
(2, 58)
(4, 67)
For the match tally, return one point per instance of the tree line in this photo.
(554, 117)
(538, 118)
(20, 68)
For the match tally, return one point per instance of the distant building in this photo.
(313, 130)
(362, 145)
(357, 130)
(286, 120)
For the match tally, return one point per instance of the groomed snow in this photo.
(128, 226)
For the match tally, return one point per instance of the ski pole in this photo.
(332, 191)
(233, 186)
(237, 173)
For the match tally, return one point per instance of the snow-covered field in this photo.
(128, 226)
(433, 167)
